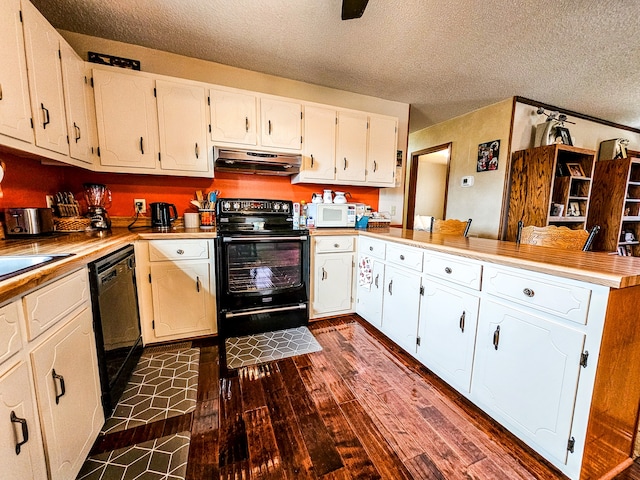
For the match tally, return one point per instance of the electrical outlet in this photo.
(140, 205)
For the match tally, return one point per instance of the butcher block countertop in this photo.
(594, 267)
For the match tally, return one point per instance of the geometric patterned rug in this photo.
(164, 384)
(160, 459)
(270, 346)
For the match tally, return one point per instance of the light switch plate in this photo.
(467, 181)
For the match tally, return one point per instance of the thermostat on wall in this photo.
(467, 181)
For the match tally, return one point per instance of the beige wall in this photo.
(164, 63)
(483, 201)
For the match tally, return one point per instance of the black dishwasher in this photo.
(116, 322)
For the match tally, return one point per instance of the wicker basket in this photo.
(71, 224)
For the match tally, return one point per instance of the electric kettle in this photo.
(161, 214)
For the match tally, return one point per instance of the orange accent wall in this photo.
(27, 182)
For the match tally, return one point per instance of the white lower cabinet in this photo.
(401, 305)
(178, 300)
(20, 443)
(447, 332)
(526, 374)
(68, 390)
(370, 296)
(332, 267)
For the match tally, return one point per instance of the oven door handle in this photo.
(301, 306)
(260, 239)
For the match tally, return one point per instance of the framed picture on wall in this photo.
(488, 154)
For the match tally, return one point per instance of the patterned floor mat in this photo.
(160, 459)
(163, 385)
(266, 347)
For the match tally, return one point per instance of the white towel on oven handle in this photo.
(365, 272)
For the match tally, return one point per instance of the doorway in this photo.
(428, 183)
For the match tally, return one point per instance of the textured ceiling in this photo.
(445, 58)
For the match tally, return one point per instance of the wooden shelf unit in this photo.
(540, 178)
(616, 204)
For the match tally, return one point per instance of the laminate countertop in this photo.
(594, 267)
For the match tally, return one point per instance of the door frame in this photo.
(413, 180)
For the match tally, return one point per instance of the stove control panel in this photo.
(246, 206)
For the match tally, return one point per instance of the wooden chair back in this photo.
(450, 227)
(558, 237)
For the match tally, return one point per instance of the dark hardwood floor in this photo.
(360, 408)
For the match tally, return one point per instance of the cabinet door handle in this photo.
(324, 274)
(528, 292)
(46, 116)
(63, 390)
(77, 130)
(496, 337)
(25, 430)
(246, 124)
(391, 287)
(375, 282)
(142, 145)
(375, 165)
(198, 284)
(448, 270)
(197, 150)
(0, 91)
(345, 163)
(311, 160)
(269, 127)
(462, 319)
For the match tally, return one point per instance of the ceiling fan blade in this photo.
(353, 8)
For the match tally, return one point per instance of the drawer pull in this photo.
(25, 430)
(336, 245)
(324, 274)
(462, 318)
(63, 390)
(371, 249)
(528, 292)
(375, 282)
(447, 270)
(391, 287)
(198, 284)
(401, 257)
(180, 251)
(496, 337)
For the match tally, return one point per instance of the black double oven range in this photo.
(262, 261)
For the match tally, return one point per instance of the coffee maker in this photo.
(98, 199)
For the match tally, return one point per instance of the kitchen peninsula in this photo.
(548, 324)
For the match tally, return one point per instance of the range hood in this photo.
(254, 162)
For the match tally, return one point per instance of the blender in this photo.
(98, 198)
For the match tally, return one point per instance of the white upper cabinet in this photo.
(351, 148)
(281, 124)
(381, 154)
(78, 94)
(233, 117)
(182, 120)
(127, 120)
(15, 112)
(319, 159)
(42, 44)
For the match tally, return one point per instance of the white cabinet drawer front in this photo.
(548, 295)
(10, 339)
(407, 257)
(161, 250)
(463, 273)
(372, 247)
(344, 243)
(51, 303)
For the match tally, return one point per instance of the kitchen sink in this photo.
(12, 265)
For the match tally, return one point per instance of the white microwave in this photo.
(331, 215)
